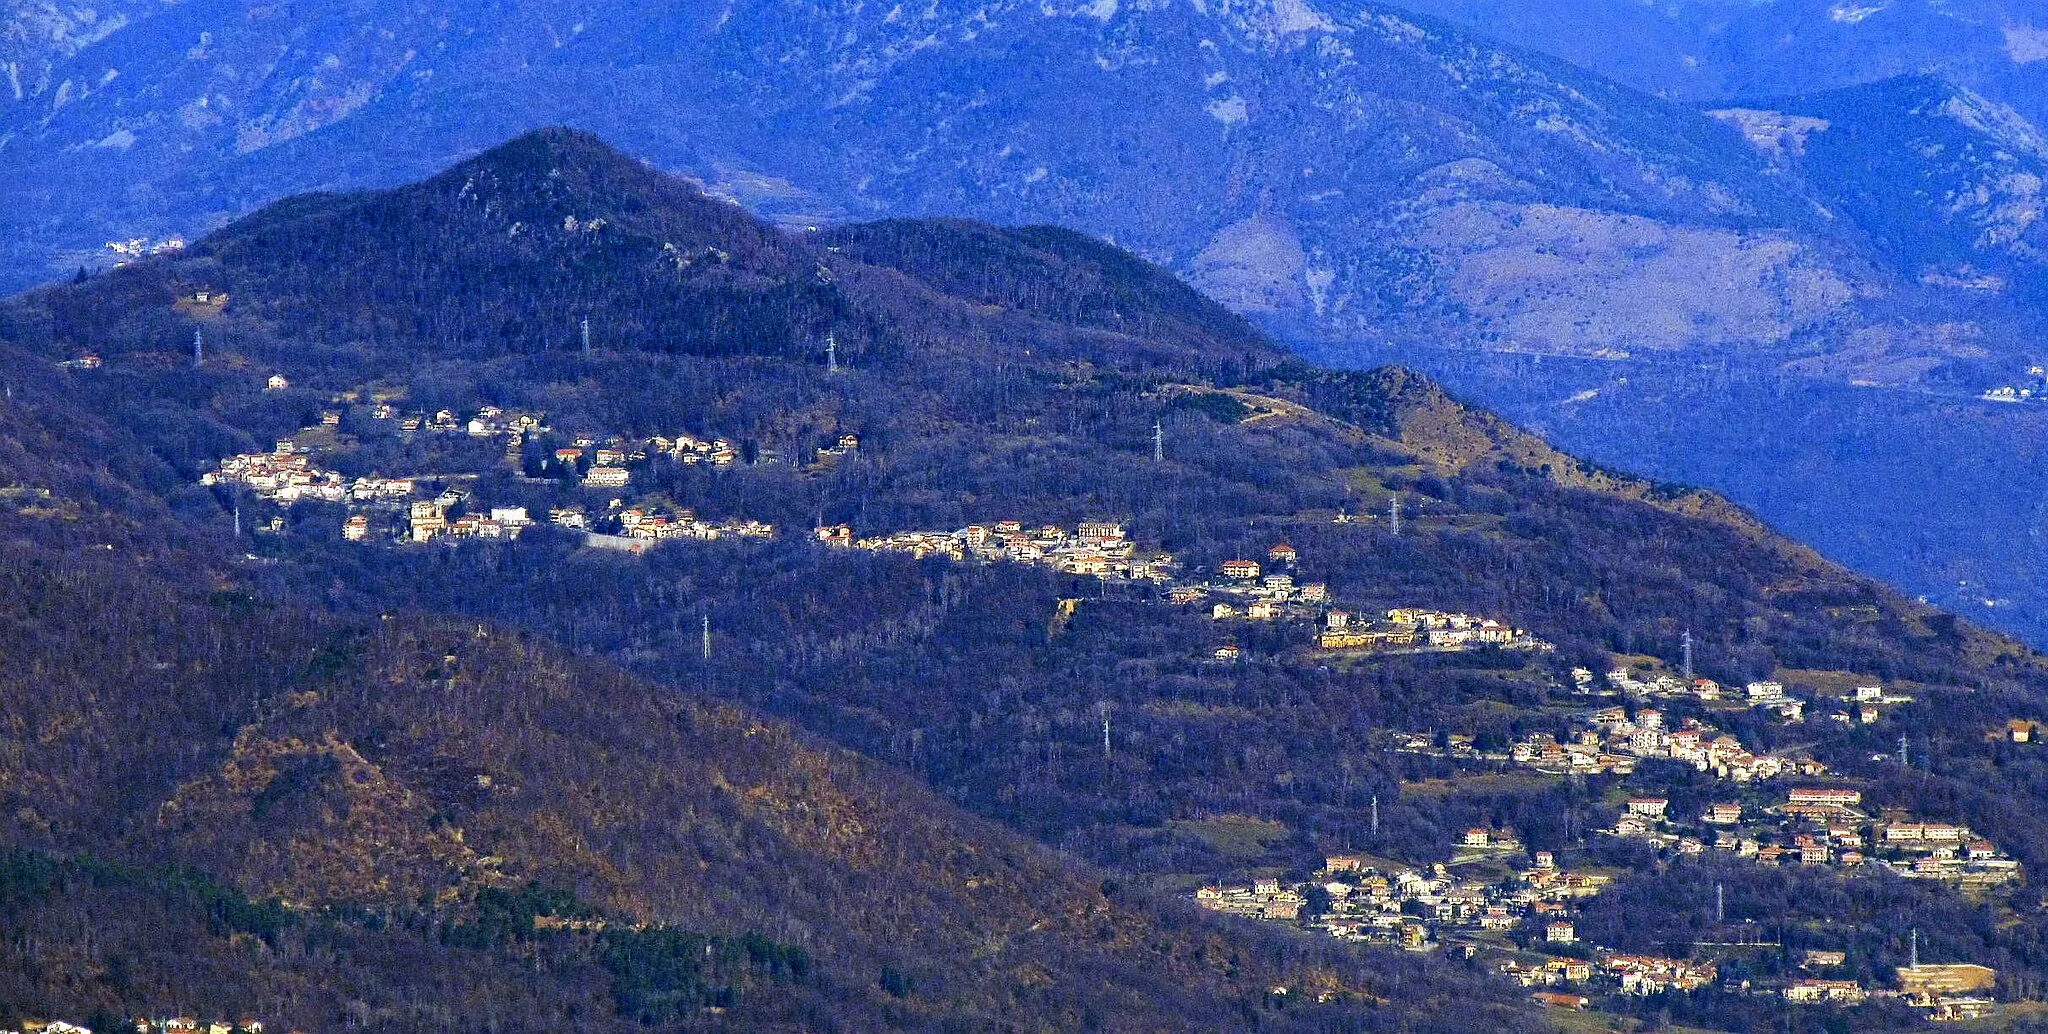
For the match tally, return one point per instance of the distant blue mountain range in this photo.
(1338, 170)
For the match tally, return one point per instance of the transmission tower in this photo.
(1158, 442)
(198, 346)
(1686, 644)
(1394, 513)
(707, 637)
(586, 335)
(831, 354)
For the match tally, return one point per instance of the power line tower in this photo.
(1158, 442)
(1720, 904)
(198, 347)
(831, 354)
(1905, 761)
(1915, 951)
(586, 335)
(1394, 513)
(707, 637)
(238, 517)
(1686, 646)
(1102, 707)
(1375, 816)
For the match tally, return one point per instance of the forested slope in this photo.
(417, 731)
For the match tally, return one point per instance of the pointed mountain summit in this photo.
(510, 251)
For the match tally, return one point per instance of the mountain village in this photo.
(384, 509)
(1465, 906)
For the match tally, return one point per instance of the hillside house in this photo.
(427, 519)
(1809, 990)
(1648, 807)
(277, 382)
(1241, 570)
(1829, 797)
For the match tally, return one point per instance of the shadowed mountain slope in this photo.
(458, 737)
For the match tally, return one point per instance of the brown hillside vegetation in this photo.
(404, 765)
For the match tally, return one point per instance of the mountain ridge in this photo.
(1093, 731)
(1342, 170)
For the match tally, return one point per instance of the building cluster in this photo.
(486, 422)
(1415, 629)
(1247, 590)
(1823, 826)
(1944, 991)
(1651, 974)
(616, 452)
(1861, 705)
(1612, 740)
(285, 475)
(1413, 908)
(609, 462)
(847, 444)
(430, 519)
(600, 461)
(1238, 590)
(146, 1025)
(1094, 547)
(2032, 389)
(647, 522)
(288, 474)
(188, 1025)
(1610, 971)
(139, 247)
